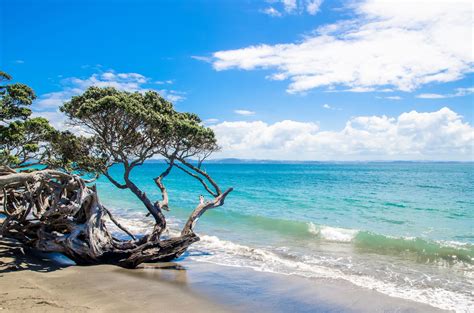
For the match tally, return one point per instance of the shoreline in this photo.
(42, 284)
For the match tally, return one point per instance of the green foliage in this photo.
(15, 99)
(132, 127)
(22, 139)
(74, 154)
(26, 141)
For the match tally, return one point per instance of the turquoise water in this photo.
(404, 229)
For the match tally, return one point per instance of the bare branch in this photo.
(201, 208)
(113, 181)
(112, 218)
(198, 178)
(203, 173)
(163, 204)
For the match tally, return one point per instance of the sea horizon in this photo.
(289, 161)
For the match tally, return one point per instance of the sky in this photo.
(275, 79)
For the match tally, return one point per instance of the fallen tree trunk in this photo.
(54, 211)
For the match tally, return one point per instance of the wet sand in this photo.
(32, 282)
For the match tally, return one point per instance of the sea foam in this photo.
(332, 233)
(214, 250)
(282, 261)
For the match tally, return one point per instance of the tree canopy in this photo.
(130, 127)
(21, 137)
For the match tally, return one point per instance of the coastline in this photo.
(32, 282)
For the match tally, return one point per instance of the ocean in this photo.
(405, 229)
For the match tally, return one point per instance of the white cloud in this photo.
(289, 5)
(244, 112)
(164, 82)
(292, 7)
(430, 96)
(172, 95)
(202, 58)
(59, 121)
(312, 6)
(210, 121)
(47, 104)
(240, 137)
(459, 92)
(397, 44)
(440, 135)
(330, 107)
(272, 11)
(393, 98)
(123, 81)
(53, 100)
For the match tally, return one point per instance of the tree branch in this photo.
(113, 181)
(163, 204)
(112, 218)
(201, 208)
(198, 178)
(203, 173)
(152, 209)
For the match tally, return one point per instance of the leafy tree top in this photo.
(15, 99)
(131, 127)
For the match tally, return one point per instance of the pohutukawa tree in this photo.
(54, 208)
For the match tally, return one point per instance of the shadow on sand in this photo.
(15, 257)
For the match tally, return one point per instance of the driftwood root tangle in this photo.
(53, 211)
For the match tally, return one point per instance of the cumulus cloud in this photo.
(272, 11)
(59, 121)
(289, 5)
(172, 95)
(439, 135)
(240, 137)
(123, 81)
(330, 107)
(293, 7)
(388, 44)
(312, 7)
(459, 92)
(244, 112)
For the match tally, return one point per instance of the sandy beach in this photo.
(32, 282)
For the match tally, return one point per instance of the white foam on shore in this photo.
(214, 250)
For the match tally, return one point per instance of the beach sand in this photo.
(33, 282)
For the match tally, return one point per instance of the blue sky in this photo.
(274, 61)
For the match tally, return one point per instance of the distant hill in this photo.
(268, 161)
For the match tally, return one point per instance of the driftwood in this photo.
(53, 211)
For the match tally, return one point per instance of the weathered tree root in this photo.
(53, 211)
